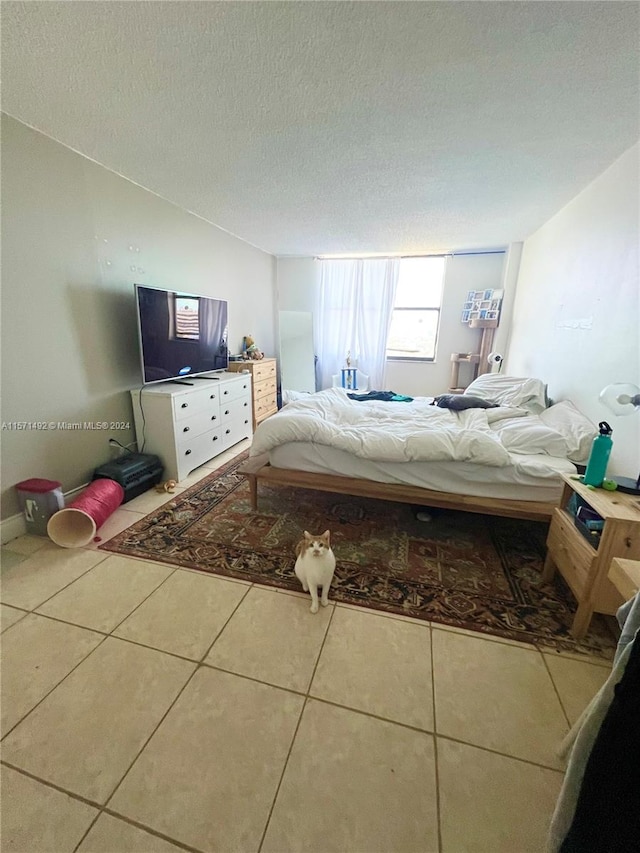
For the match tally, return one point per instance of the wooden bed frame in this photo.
(257, 469)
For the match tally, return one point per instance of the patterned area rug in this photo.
(471, 571)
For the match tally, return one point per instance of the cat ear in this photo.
(307, 535)
(326, 535)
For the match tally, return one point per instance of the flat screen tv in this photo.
(180, 334)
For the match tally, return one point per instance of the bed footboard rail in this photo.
(257, 469)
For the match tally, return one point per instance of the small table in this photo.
(585, 564)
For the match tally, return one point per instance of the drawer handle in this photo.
(215, 438)
(225, 392)
(244, 387)
(187, 452)
(246, 404)
(212, 396)
(186, 429)
(213, 417)
(184, 406)
(246, 421)
(227, 431)
(226, 411)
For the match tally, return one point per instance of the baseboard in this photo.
(16, 525)
(12, 527)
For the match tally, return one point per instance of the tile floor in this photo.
(152, 709)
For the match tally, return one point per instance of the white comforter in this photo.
(390, 431)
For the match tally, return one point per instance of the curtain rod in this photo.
(388, 257)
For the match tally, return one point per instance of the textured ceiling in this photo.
(333, 127)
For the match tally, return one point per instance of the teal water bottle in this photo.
(599, 456)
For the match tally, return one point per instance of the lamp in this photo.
(623, 399)
(495, 358)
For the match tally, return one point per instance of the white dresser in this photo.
(187, 425)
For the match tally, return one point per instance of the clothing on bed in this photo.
(385, 396)
(460, 402)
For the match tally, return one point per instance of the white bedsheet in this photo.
(526, 478)
(390, 431)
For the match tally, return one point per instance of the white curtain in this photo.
(353, 314)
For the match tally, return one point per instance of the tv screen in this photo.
(180, 334)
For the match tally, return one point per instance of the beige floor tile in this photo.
(398, 616)
(36, 656)
(209, 775)
(9, 616)
(493, 804)
(583, 658)
(576, 682)
(39, 819)
(378, 665)
(27, 544)
(478, 634)
(86, 733)
(150, 501)
(116, 523)
(496, 696)
(8, 559)
(184, 615)
(273, 638)
(44, 573)
(111, 835)
(354, 783)
(107, 594)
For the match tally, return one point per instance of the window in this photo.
(416, 313)
(187, 318)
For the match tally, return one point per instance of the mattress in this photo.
(527, 478)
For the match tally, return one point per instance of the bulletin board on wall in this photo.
(482, 305)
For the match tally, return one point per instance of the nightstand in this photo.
(584, 564)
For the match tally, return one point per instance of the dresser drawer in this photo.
(235, 409)
(263, 408)
(200, 448)
(190, 427)
(235, 430)
(264, 370)
(265, 388)
(188, 404)
(235, 390)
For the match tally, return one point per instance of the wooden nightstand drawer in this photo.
(571, 552)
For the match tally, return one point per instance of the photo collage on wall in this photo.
(482, 305)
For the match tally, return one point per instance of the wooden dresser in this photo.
(263, 386)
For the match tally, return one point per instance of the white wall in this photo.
(75, 238)
(299, 279)
(576, 320)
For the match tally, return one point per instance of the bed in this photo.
(503, 460)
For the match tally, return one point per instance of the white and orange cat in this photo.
(315, 565)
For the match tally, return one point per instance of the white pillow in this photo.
(578, 431)
(531, 435)
(527, 394)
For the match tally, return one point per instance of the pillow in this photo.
(460, 402)
(531, 435)
(576, 429)
(527, 394)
